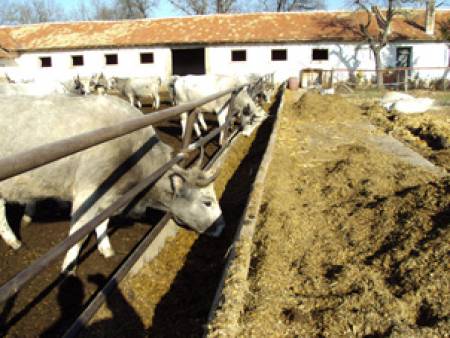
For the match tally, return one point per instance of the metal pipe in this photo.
(19, 163)
(114, 281)
(18, 281)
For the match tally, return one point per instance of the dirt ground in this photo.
(49, 304)
(353, 237)
(172, 295)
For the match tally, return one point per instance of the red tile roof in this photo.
(211, 29)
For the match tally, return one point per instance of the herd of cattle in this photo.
(40, 112)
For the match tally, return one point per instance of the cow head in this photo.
(112, 83)
(193, 202)
(98, 84)
(78, 86)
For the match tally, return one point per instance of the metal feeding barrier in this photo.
(41, 155)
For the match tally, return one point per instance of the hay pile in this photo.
(351, 241)
(428, 133)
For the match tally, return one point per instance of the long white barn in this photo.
(283, 43)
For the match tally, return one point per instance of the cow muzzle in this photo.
(215, 230)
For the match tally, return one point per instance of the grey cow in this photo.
(137, 88)
(96, 177)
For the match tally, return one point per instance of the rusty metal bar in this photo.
(19, 163)
(205, 139)
(114, 281)
(18, 281)
(189, 126)
(84, 318)
(220, 151)
(391, 69)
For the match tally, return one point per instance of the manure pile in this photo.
(427, 133)
(351, 239)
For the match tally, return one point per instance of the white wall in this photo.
(299, 56)
(29, 66)
(426, 54)
(348, 56)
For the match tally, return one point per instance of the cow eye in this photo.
(207, 203)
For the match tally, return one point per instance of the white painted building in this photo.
(283, 43)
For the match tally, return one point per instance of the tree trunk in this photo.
(378, 67)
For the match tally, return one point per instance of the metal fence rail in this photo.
(34, 158)
(403, 78)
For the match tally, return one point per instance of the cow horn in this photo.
(208, 179)
(199, 162)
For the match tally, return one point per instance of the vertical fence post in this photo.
(331, 77)
(406, 80)
(189, 126)
(226, 130)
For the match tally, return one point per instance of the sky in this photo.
(165, 9)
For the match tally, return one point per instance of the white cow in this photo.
(193, 87)
(94, 178)
(41, 88)
(137, 88)
(413, 106)
(405, 103)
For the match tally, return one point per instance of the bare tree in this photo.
(201, 7)
(133, 9)
(379, 39)
(225, 6)
(191, 7)
(113, 9)
(290, 5)
(31, 11)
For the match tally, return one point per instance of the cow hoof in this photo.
(26, 220)
(15, 244)
(68, 272)
(107, 252)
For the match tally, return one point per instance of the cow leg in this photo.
(5, 230)
(139, 104)
(221, 118)
(103, 244)
(30, 210)
(131, 99)
(156, 101)
(197, 129)
(201, 119)
(183, 122)
(69, 262)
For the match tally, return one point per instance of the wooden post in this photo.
(189, 126)
(406, 80)
(331, 77)
(226, 130)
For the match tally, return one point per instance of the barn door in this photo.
(188, 61)
(403, 59)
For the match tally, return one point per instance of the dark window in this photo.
(188, 61)
(320, 54)
(147, 58)
(111, 59)
(77, 60)
(279, 54)
(239, 55)
(46, 61)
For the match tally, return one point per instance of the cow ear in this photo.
(176, 183)
(246, 110)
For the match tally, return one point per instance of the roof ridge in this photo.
(253, 27)
(194, 16)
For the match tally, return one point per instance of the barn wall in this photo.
(350, 56)
(28, 64)
(299, 56)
